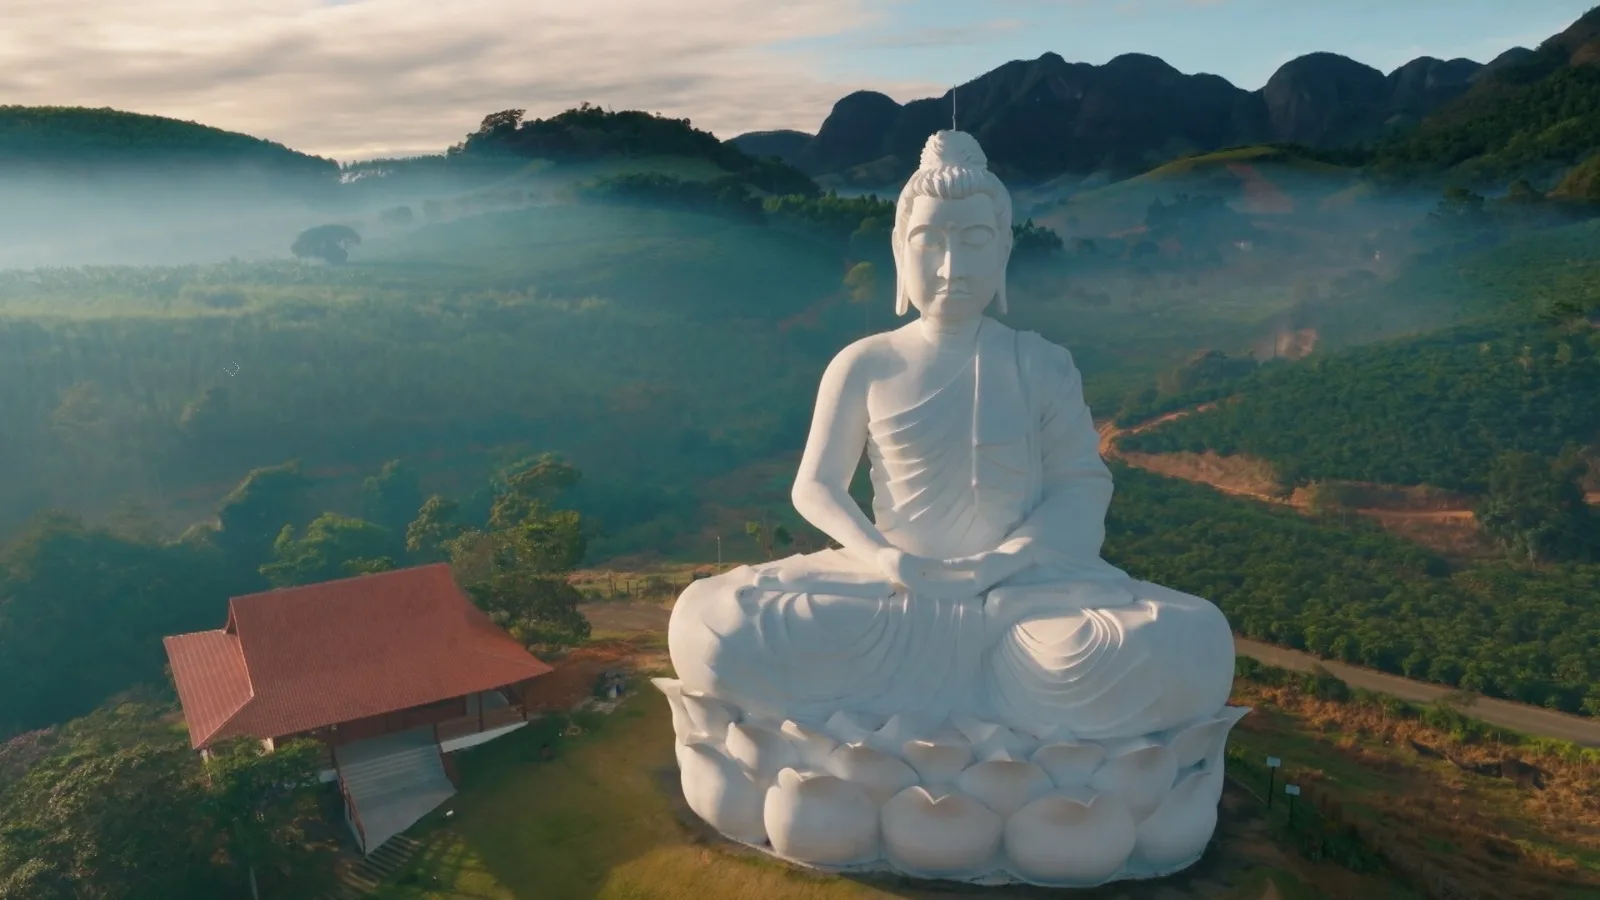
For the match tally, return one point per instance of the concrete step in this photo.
(365, 877)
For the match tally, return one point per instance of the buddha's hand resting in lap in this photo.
(968, 577)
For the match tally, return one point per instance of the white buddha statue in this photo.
(963, 688)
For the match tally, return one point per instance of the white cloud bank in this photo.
(390, 77)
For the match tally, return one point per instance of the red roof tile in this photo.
(301, 658)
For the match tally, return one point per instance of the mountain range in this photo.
(1044, 117)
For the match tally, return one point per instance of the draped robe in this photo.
(1071, 645)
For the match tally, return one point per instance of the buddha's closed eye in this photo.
(972, 236)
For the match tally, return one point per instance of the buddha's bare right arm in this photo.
(838, 436)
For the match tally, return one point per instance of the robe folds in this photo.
(1072, 645)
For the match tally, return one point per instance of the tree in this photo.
(505, 120)
(393, 497)
(253, 515)
(333, 546)
(1535, 508)
(1460, 212)
(516, 567)
(1030, 242)
(429, 536)
(123, 822)
(330, 243)
(262, 800)
(862, 282)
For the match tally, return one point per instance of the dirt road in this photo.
(1516, 716)
(625, 617)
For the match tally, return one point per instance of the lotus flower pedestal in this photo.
(962, 799)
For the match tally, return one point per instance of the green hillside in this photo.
(105, 141)
(1537, 115)
(1432, 410)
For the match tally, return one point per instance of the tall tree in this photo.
(261, 800)
(516, 567)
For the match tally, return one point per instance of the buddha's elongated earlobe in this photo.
(902, 300)
(1000, 299)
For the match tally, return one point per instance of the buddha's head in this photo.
(952, 232)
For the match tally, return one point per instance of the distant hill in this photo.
(1534, 112)
(590, 136)
(784, 144)
(1039, 119)
(77, 141)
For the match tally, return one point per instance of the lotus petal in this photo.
(811, 746)
(1177, 832)
(879, 774)
(989, 739)
(1053, 734)
(722, 793)
(939, 760)
(940, 833)
(710, 716)
(895, 732)
(1200, 740)
(821, 819)
(683, 727)
(1063, 839)
(1069, 764)
(760, 750)
(851, 728)
(1139, 773)
(1005, 786)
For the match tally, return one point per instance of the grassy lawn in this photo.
(594, 822)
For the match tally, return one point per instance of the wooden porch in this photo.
(450, 720)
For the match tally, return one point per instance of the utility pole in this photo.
(719, 551)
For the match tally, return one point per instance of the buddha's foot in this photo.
(961, 800)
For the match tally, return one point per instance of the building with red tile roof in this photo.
(351, 659)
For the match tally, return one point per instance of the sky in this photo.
(355, 79)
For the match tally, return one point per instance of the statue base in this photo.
(960, 800)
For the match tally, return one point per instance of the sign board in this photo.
(1292, 790)
(1273, 762)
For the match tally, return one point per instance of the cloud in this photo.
(358, 78)
(949, 36)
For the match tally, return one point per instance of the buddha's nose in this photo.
(948, 269)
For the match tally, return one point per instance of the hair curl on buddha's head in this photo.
(953, 167)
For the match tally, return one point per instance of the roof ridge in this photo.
(390, 573)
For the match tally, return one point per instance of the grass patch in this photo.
(593, 822)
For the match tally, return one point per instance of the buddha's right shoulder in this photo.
(867, 351)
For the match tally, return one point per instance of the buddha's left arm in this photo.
(1069, 524)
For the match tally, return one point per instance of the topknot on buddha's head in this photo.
(953, 150)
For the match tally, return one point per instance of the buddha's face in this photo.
(954, 260)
